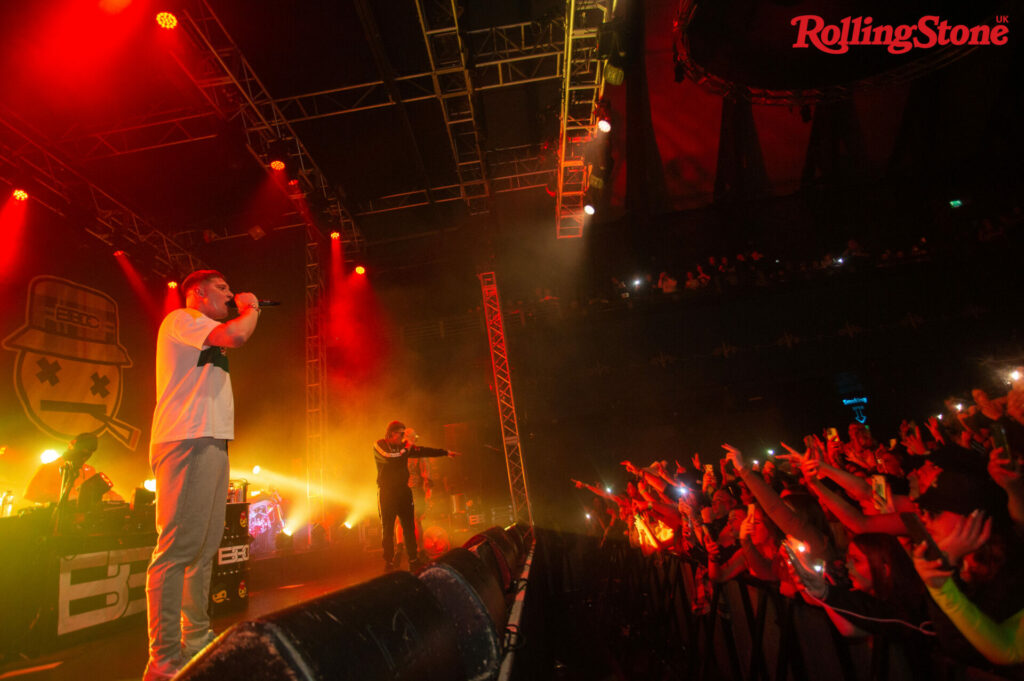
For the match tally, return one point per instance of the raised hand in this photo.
(630, 468)
(747, 526)
(735, 455)
(578, 483)
(931, 571)
(933, 426)
(913, 441)
(811, 469)
(924, 477)
(1004, 470)
(968, 535)
(790, 450)
(696, 462)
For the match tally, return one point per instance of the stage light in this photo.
(294, 182)
(20, 195)
(959, 407)
(172, 285)
(335, 236)
(283, 541)
(956, 203)
(277, 165)
(360, 269)
(588, 516)
(1015, 375)
(636, 283)
(288, 531)
(256, 470)
(604, 125)
(348, 525)
(49, 456)
(166, 20)
(608, 489)
(938, 416)
(589, 209)
(150, 484)
(118, 253)
(771, 452)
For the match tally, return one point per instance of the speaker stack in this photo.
(229, 591)
(447, 623)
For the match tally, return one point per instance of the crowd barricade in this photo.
(744, 630)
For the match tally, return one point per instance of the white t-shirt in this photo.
(193, 386)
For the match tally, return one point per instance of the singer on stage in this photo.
(394, 498)
(192, 423)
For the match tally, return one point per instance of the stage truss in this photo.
(506, 404)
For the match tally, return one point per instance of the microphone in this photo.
(232, 305)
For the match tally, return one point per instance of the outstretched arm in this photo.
(773, 505)
(854, 519)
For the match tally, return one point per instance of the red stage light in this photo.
(172, 284)
(360, 269)
(277, 165)
(20, 195)
(335, 235)
(294, 182)
(166, 20)
(118, 253)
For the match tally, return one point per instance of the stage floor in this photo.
(121, 656)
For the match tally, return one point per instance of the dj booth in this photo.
(63, 583)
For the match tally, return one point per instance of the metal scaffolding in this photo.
(497, 57)
(506, 405)
(511, 169)
(582, 89)
(54, 183)
(316, 377)
(154, 131)
(454, 88)
(227, 80)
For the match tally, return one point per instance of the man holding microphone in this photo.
(192, 424)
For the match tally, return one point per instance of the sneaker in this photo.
(192, 647)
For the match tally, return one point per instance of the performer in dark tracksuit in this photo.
(394, 498)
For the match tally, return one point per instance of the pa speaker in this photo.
(390, 628)
(469, 593)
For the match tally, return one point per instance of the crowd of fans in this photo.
(916, 538)
(719, 275)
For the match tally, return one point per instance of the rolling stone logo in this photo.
(929, 31)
